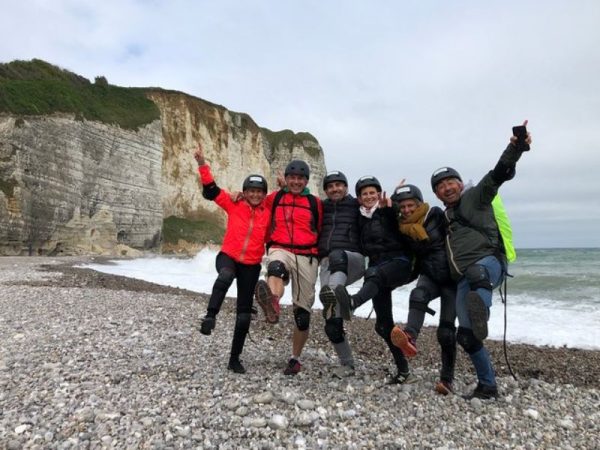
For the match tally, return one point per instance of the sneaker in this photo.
(478, 315)
(403, 378)
(264, 298)
(207, 325)
(483, 392)
(342, 372)
(404, 341)
(327, 297)
(444, 387)
(235, 365)
(293, 367)
(345, 301)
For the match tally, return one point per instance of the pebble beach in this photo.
(96, 361)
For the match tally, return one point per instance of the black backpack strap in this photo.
(314, 209)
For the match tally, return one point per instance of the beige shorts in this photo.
(303, 275)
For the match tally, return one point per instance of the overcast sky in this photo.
(389, 88)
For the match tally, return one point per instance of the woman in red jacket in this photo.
(241, 253)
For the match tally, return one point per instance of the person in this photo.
(296, 217)
(425, 228)
(341, 261)
(475, 254)
(241, 253)
(390, 266)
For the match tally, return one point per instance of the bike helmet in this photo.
(255, 181)
(336, 175)
(365, 181)
(441, 174)
(405, 192)
(297, 167)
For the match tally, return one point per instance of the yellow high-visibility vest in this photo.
(505, 229)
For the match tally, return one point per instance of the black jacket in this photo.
(340, 226)
(431, 253)
(379, 236)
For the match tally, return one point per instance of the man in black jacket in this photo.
(341, 261)
(475, 253)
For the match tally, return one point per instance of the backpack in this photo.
(504, 227)
(314, 211)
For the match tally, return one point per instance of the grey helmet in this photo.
(365, 181)
(255, 181)
(297, 167)
(406, 192)
(441, 174)
(335, 175)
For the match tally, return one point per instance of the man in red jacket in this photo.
(241, 253)
(292, 254)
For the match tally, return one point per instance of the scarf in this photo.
(413, 226)
(368, 212)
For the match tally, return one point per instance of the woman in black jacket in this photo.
(425, 228)
(390, 266)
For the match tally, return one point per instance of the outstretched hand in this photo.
(199, 155)
(281, 180)
(514, 140)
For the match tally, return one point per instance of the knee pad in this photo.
(224, 279)
(338, 261)
(478, 278)
(446, 334)
(334, 329)
(383, 330)
(468, 341)
(372, 274)
(277, 269)
(419, 300)
(242, 321)
(302, 318)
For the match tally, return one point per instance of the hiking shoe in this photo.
(264, 298)
(235, 365)
(342, 372)
(483, 392)
(345, 301)
(478, 315)
(293, 367)
(444, 387)
(327, 297)
(207, 325)
(403, 378)
(404, 341)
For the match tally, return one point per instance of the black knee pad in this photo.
(372, 274)
(446, 334)
(419, 300)
(302, 318)
(242, 321)
(277, 269)
(334, 329)
(468, 341)
(477, 276)
(224, 279)
(338, 261)
(383, 330)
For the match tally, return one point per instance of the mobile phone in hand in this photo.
(520, 132)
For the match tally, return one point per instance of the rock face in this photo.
(74, 186)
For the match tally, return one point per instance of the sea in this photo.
(553, 296)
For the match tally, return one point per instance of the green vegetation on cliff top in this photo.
(36, 88)
(287, 136)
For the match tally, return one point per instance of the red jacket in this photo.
(293, 227)
(247, 226)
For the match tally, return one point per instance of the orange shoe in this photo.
(265, 299)
(404, 341)
(444, 387)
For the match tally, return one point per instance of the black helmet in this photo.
(336, 175)
(297, 167)
(441, 174)
(405, 192)
(255, 181)
(365, 181)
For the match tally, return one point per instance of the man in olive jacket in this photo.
(476, 254)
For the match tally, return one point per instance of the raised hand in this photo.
(199, 155)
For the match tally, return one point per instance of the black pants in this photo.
(246, 276)
(426, 291)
